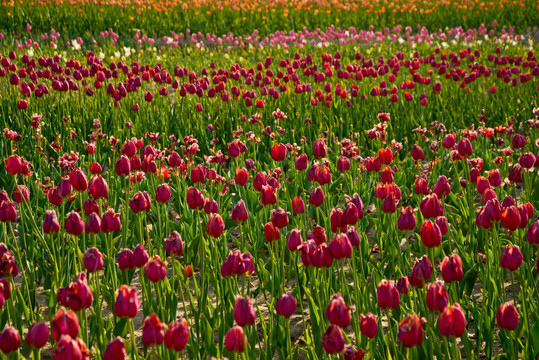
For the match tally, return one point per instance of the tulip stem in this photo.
(36, 354)
(134, 350)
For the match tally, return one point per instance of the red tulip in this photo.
(464, 147)
(340, 247)
(417, 153)
(235, 340)
(127, 303)
(93, 224)
(337, 312)
(336, 220)
(411, 331)
(510, 218)
(437, 297)
(21, 194)
(38, 335)
(368, 325)
(174, 244)
(98, 187)
(90, 206)
(77, 295)
(387, 175)
(527, 160)
(452, 322)
(122, 167)
(507, 316)
(195, 199)
(279, 218)
(451, 268)
(532, 235)
(110, 221)
(240, 214)
(298, 206)
(95, 168)
(319, 148)
(515, 174)
(244, 311)
(518, 141)
(317, 197)
(215, 225)
(241, 176)
(64, 322)
(403, 285)
(387, 295)
(10, 340)
(442, 187)
(431, 207)
(406, 221)
(155, 269)
(177, 335)
(125, 260)
(153, 331)
(115, 350)
(92, 260)
(430, 234)
(278, 152)
(67, 348)
(511, 257)
(8, 211)
(333, 340)
(140, 202)
(421, 272)
(50, 223)
(385, 155)
(352, 354)
(421, 186)
(343, 164)
(163, 193)
(74, 224)
(268, 196)
(286, 305)
(301, 162)
(271, 232)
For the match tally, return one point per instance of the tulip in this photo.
(127, 303)
(115, 350)
(14, 164)
(67, 348)
(50, 223)
(235, 340)
(452, 322)
(215, 225)
(140, 202)
(494, 177)
(268, 196)
(518, 141)
(507, 316)
(8, 211)
(343, 164)
(421, 272)
(441, 188)
(340, 247)
(279, 218)
(387, 295)
(411, 331)
(278, 152)
(431, 207)
(527, 160)
(74, 224)
(163, 193)
(92, 260)
(337, 312)
(125, 260)
(153, 331)
(333, 340)
(174, 244)
(294, 240)
(368, 325)
(240, 214)
(482, 185)
(449, 141)
(260, 180)
(110, 221)
(271, 232)
(421, 186)
(532, 235)
(406, 221)
(387, 175)
(336, 220)
(64, 322)
(301, 162)
(286, 305)
(10, 340)
(140, 256)
(177, 335)
(464, 147)
(155, 269)
(352, 354)
(451, 268)
(385, 155)
(317, 197)
(437, 297)
(319, 148)
(90, 206)
(241, 176)
(93, 224)
(21, 194)
(417, 153)
(430, 234)
(77, 295)
(511, 257)
(515, 174)
(351, 214)
(403, 285)
(195, 199)
(122, 166)
(38, 335)
(510, 218)
(244, 311)
(98, 187)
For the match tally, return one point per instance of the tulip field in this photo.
(290, 179)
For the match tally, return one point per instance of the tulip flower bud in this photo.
(298, 206)
(337, 312)
(294, 240)
(451, 268)
(464, 147)
(177, 335)
(244, 311)
(333, 340)
(431, 207)
(403, 285)
(511, 257)
(452, 322)
(64, 322)
(92, 260)
(125, 260)
(286, 305)
(110, 221)
(115, 350)
(155, 269)
(140, 256)
(387, 295)
(127, 303)
(406, 221)
(93, 224)
(271, 232)
(507, 316)
(430, 234)
(163, 193)
(417, 153)
(240, 214)
(317, 197)
(50, 223)
(235, 340)
(437, 297)
(278, 152)
(77, 295)
(241, 176)
(215, 225)
(340, 247)
(195, 199)
(421, 272)
(10, 340)
(21, 194)
(98, 187)
(368, 325)
(74, 224)
(174, 244)
(153, 331)
(301, 162)
(411, 331)
(38, 335)
(66, 348)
